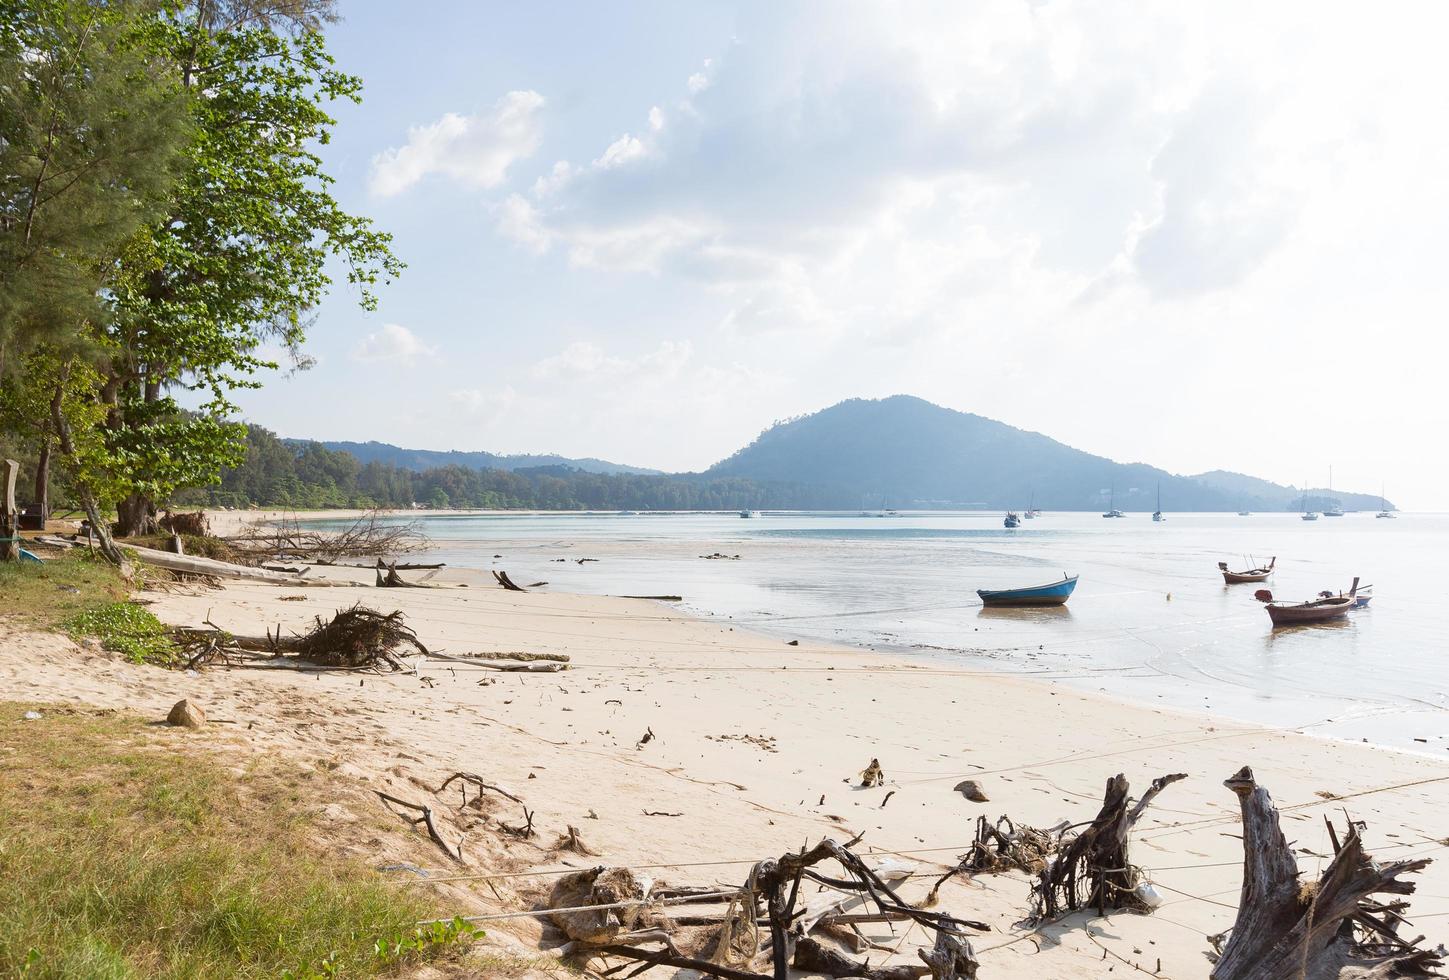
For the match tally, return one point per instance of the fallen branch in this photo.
(426, 819)
(507, 582)
(477, 781)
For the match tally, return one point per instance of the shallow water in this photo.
(1150, 620)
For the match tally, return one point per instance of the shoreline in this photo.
(755, 749)
(1335, 715)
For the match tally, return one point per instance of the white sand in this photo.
(566, 743)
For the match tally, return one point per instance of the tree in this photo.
(239, 260)
(89, 130)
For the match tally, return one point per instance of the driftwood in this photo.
(507, 582)
(194, 565)
(519, 655)
(1092, 870)
(467, 778)
(426, 819)
(777, 883)
(1002, 846)
(358, 638)
(370, 536)
(507, 666)
(812, 956)
(1288, 929)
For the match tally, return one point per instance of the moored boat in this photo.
(1011, 519)
(1157, 514)
(1051, 594)
(1112, 510)
(1258, 574)
(1318, 610)
(1384, 511)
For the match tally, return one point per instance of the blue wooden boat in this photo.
(1011, 519)
(1051, 594)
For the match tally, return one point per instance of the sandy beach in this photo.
(756, 748)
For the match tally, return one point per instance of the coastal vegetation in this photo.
(127, 854)
(166, 227)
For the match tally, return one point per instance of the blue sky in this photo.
(1194, 236)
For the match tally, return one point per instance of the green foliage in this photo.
(242, 254)
(128, 629)
(311, 476)
(89, 129)
(126, 854)
(50, 594)
(421, 942)
(170, 220)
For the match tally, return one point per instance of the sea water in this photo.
(1151, 619)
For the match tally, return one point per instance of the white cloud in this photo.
(656, 118)
(392, 343)
(483, 401)
(584, 360)
(623, 150)
(473, 150)
(519, 222)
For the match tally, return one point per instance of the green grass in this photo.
(127, 851)
(46, 596)
(130, 630)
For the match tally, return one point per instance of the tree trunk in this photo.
(42, 478)
(136, 514)
(9, 514)
(99, 527)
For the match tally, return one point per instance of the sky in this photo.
(1199, 236)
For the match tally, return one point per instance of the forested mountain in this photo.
(425, 459)
(1252, 488)
(898, 452)
(906, 452)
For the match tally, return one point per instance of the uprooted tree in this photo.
(1289, 929)
(1092, 869)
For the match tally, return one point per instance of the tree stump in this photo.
(1290, 930)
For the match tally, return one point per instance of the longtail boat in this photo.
(1051, 594)
(1259, 574)
(1315, 610)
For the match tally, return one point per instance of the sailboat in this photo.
(1308, 515)
(1384, 511)
(1157, 514)
(1332, 510)
(1031, 510)
(1112, 510)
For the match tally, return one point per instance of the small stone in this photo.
(971, 789)
(186, 715)
(33, 716)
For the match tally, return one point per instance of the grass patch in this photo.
(130, 630)
(126, 855)
(47, 595)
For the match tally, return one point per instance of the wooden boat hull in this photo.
(1312, 612)
(1052, 594)
(1247, 575)
(1238, 578)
